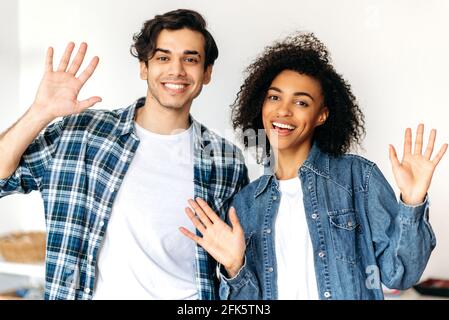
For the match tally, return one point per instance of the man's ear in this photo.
(208, 74)
(324, 114)
(143, 70)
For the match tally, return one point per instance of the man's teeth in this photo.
(175, 86)
(283, 126)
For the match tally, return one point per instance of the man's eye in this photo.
(191, 60)
(162, 58)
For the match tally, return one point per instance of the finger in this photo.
(196, 222)
(430, 144)
(89, 70)
(86, 104)
(49, 60)
(419, 139)
(79, 58)
(408, 142)
(440, 154)
(199, 212)
(233, 218)
(208, 210)
(190, 235)
(393, 156)
(66, 57)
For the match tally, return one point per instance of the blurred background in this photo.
(394, 53)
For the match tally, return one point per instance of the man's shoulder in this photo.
(95, 121)
(217, 144)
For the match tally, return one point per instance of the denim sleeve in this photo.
(402, 236)
(34, 163)
(243, 286)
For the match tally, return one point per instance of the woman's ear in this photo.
(324, 114)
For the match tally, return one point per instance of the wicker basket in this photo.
(24, 247)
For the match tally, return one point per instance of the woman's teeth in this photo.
(283, 126)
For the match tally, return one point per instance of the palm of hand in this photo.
(414, 173)
(59, 91)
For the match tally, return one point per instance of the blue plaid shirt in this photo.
(78, 164)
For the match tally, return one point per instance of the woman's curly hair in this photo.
(305, 54)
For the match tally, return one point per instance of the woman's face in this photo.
(292, 109)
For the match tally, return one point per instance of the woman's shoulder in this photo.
(247, 196)
(351, 161)
(350, 170)
(249, 191)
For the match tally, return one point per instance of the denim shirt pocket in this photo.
(344, 228)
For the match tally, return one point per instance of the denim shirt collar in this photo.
(317, 162)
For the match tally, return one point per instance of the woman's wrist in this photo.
(234, 269)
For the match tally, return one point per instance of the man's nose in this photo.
(177, 68)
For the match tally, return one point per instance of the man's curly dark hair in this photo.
(305, 54)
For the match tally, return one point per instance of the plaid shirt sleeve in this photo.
(34, 162)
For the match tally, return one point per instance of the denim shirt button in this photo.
(268, 231)
(270, 269)
(321, 254)
(275, 198)
(327, 294)
(87, 290)
(314, 216)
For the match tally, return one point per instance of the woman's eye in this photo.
(273, 98)
(302, 103)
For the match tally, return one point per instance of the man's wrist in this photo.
(37, 113)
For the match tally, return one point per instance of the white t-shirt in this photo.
(144, 255)
(294, 251)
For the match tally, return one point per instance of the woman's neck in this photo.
(289, 161)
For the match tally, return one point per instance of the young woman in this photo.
(322, 224)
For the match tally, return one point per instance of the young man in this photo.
(102, 174)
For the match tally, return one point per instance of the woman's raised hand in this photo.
(414, 173)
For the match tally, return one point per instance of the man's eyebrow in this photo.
(162, 50)
(192, 52)
(295, 94)
(187, 52)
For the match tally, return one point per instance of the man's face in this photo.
(176, 73)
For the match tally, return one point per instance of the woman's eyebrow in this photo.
(299, 93)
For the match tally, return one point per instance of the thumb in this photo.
(393, 156)
(86, 104)
(233, 218)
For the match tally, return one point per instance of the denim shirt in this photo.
(361, 235)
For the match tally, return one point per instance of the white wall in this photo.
(394, 53)
(16, 212)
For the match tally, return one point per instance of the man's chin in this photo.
(173, 106)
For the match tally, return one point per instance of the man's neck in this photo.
(161, 120)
